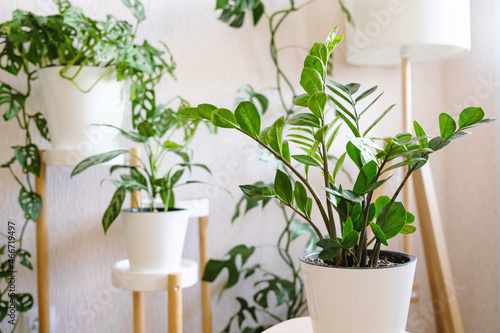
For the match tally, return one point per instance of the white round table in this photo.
(297, 325)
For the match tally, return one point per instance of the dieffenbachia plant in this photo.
(328, 105)
(155, 135)
(29, 42)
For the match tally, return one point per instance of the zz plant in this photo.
(29, 42)
(329, 105)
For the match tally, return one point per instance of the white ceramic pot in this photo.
(155, 240)
(358, 300)
(71, 113)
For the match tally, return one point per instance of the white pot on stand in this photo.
(358, 300)
(155, 240)
(71, 114)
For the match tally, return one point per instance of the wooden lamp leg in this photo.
(174, 303)
(42, 252)
(443, 292)
(206, 306)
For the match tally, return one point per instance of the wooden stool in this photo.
(187, 276)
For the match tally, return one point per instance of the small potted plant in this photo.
(349, 286)
(154, 235)
(87, 70)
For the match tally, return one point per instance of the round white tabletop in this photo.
(297, 325)
(123, 278)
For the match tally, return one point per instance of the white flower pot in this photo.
(155, 240)
(71, 113)
(358, 300)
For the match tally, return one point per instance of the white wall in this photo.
(214, 61)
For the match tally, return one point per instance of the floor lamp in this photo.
(399, 32)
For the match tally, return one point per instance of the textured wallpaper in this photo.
(213, 62)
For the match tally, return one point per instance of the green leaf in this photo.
(275, 135)
(321, 134)
(238, 256)
(136, 8)
(146, 129)
(447, 126)
(346, 194)
(171, 145)
(410, 218)
(114, 208)
(283, 290)
(354, 154)
(319, 50)
(41, 125)
(23, 302)
(31, 204)
(470, 116)
(263, 193)
(304, 119)
(350, 239)
(365, 177)
(97, 159)
(189, 113)
(419, 132)
(29, 158)
(338, 165)
(285, 148)
(378, 120)
(391, 219)
(348, 227)
(301, 100)
(317, 103)
(405, 163)
(482, 122)
(248, 118)
(14, 100)
(283, 187)
(224, 118)
(332, 41)
(307, 160)
(311, 80)
(352, 126)
(315, 63)
(300, 196)
(300, 228)
(373, 186)
(136, 137)
(353, 88)
(333, 137)
(379, 234)
(331, 249)
(408, 229)
(366, 93)
(206, 110)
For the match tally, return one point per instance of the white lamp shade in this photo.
(423, 30)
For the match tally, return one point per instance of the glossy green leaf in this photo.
(366, 93)
(365, 177)
(307, 160)
(319, 50)
(350, 240)
(379, 234)
(311, 80)
(285, 148)
(317, 103)
(224, 118)
(447, 126)
(97, 159)
(300, 195)
(470, 116)
(146, 129)
(331, 249)
(419, 132)
(338, 165)
(379, 203)
(263, 193)
(304, 119)
(348, 227)
(206, 110)
(29, 158)
(283, 187)
(378, 120)
(391, 219)
(405, 163)
(189, 113)
(41, 125)
(248, 118)
(315, 63)
(301, 100)
(275, 135)
(408, 229)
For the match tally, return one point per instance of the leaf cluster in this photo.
(346, 213)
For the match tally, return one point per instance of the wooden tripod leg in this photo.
(407, 128)
(42, 252)
(174, 303)
(139, 311)
(206, 306)
(444, 298)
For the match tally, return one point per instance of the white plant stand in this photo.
(187, 276)
(297, 325)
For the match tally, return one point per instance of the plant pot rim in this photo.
(148, 210)
(411, 258)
